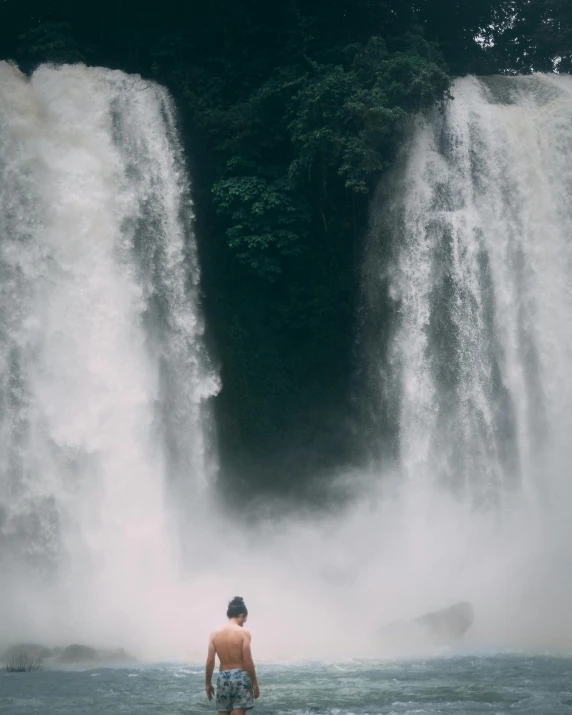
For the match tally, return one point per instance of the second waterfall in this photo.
(471, 258)
(469, 345)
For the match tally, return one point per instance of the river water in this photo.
(515, 684)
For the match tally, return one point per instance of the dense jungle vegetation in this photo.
(290, 112)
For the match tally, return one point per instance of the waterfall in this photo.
(470, 258)
(468, 354)
(104, 376)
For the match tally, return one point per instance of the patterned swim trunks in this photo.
(233, 691)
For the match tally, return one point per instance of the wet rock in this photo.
(437, 628)
(449, 625)
(116, 656)
(77, 653)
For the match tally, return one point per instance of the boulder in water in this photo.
(449, 625)
(116, 656)
(77, 653)
(437, 628)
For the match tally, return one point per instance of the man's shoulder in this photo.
(231, 629)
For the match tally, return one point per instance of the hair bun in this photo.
(236, 608)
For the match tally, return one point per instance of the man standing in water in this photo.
(236, 685)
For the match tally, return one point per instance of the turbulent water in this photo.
(452, 686)
(103, 371)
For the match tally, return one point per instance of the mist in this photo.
(323, 586)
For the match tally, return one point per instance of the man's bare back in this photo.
(237, 684)
(229, 642)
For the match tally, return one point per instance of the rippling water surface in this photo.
(468, 684)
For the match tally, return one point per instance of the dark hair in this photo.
(236, 608)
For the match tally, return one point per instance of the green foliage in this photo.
(266, 220)
(506, 37)
(22, 663)
(50, 42)
(346, 119)
(310, 137)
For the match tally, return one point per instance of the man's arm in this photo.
(249, 664)
(209, 668)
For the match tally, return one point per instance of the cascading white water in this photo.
(103, 371)
(470, 262)
(479, 221)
